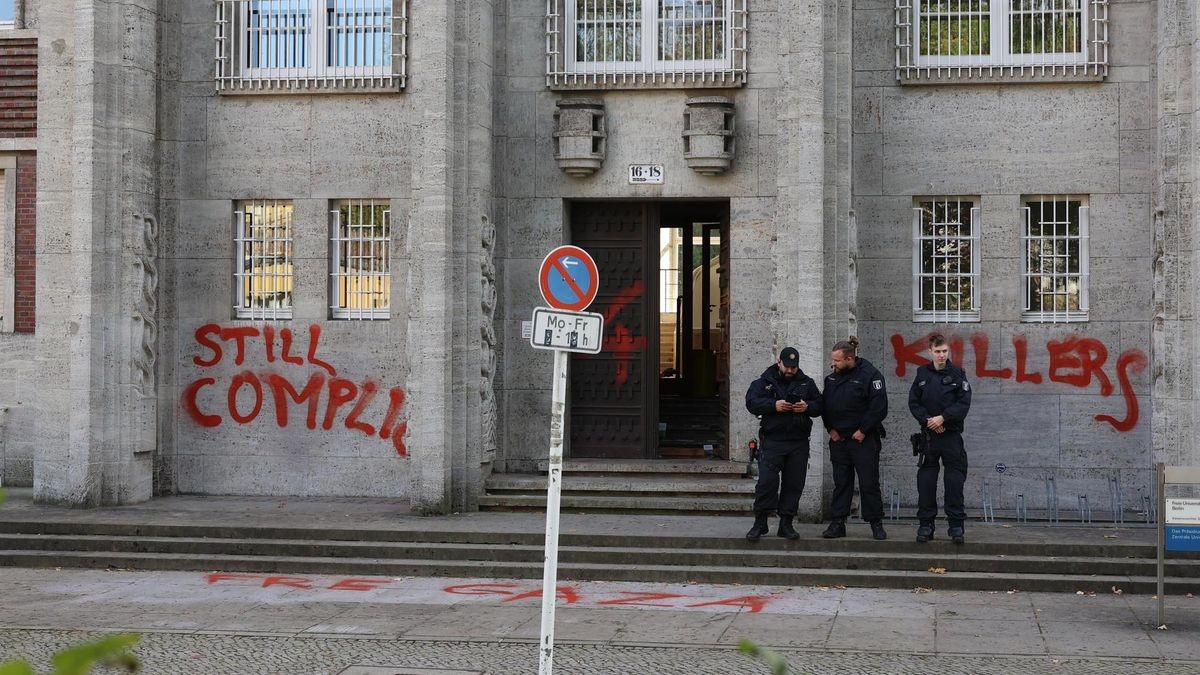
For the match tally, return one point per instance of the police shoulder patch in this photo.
(966, 387)
(878, 384)
(920, 383)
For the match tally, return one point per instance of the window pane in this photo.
(362, 283)
(265, 246)
(359, 32)
(945, 250)
(691, 30)
(608, 31)
(1045, 26)
(955, 28)
(278, 33)
(1054, 253)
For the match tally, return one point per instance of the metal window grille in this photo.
(946, 259)
(360, 257)
(633, 43)
(1056, 268)
(263, 274)
(942, 40)
(329, 45)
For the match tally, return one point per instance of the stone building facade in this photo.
(289, 248)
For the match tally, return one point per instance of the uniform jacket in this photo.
(855, 400)
(940, 392)
(771, 387)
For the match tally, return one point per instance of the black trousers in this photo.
(782, 470)
(851, 458)
(947, 448)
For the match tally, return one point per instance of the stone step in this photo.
(649, 466)
(795, 556)
(665, 485)
(738, 505)
(776, 576)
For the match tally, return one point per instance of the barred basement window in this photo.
(1056, 259)
(946, 259)
(263, 278)
(328, 45)
(360, 260)
(1001, 39)
(634, 43)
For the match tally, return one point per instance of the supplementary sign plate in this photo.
(568, 279)
(1181, 537)
(646, 174)
(581, 332)
(1182, 512)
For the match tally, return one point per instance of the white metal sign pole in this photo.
(558, 408)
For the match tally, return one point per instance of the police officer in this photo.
(855, 404)
(939, 399)
(785, 400)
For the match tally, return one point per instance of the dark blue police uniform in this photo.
(947, 393)
(783, 439)
(856, 401)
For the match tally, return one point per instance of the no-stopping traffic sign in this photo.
(568, 278)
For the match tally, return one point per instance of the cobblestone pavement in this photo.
(169, 653)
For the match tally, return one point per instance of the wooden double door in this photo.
(615, 396)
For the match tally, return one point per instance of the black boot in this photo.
(786, 530)
(924, 532)
(957, 535)
(836, 529)
(760, 527)
(877, 530)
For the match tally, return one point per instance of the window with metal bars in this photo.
(646, 42)
(936, 39)
(946, 259)
(263, 272)
(360, 260)
(1056, 259)
(310, 44)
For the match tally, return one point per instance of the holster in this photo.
(920, 442)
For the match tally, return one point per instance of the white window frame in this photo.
(236, 39)
(244, 274)
(562, 69)
(1030, 315)
(1088, 63)
(375, 245)
(975, 223)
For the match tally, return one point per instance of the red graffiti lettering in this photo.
(192, 409)
(240, 379)
(642, 599)
(311, 394)
(909, 353)
(480, 589)
(368, 393)
(564, 593)
(204, 339)
(341, 392)
(359, 584)
(269, 339)
(314, 336)
(398, 439)
(754, 603)
(622, 342)
(394, 408)
(227, 576)
(1084, 357)
(1021, 347)
(303, 583)
(286, 351)
(1130, 359)
(979, 342)
(239, 334)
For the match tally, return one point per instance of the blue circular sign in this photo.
(1001, 467)
(569, 279)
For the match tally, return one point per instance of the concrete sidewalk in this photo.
(258, 623)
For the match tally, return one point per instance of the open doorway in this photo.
(659, 390)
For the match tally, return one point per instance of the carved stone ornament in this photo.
(708, 134)
(580, 136)
(145, 311)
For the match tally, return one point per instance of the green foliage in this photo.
(774, 661)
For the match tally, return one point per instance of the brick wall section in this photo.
(24, 312)
(18, 87)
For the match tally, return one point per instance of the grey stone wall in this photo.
(1000, 143)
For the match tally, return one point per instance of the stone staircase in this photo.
(649, 549)
(712, 487)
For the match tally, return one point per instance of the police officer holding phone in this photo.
(940, 399)
(785, 400)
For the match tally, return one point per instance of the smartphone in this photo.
(792, 398)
